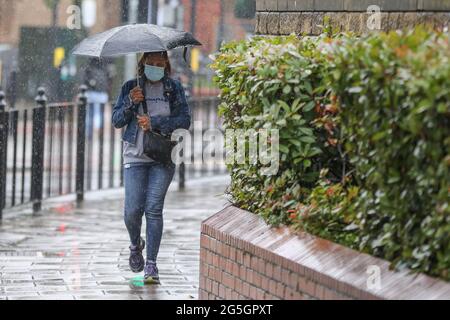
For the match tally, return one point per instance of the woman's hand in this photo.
(137, 95)
(144, 123)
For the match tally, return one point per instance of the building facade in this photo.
(15, 14)
(21, 20)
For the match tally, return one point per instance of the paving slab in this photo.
(67, 253)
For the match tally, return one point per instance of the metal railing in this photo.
(50, 150)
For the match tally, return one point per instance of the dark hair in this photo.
(141, 63)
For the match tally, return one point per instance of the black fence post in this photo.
(182, 176)
(81, 143)
(4, 118)
(37, 162)
(182, 166)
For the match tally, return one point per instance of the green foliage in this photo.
(394, 92)
(364, 138)
(330, 213)
(278, 84)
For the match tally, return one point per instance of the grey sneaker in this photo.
(151, 273)
(136, 259)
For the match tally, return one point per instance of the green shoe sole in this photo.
(151, 281)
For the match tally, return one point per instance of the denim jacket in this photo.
(124, 110)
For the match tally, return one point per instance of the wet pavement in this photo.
(82, 253)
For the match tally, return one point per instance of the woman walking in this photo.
(147, 181)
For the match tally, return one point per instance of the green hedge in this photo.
(364, 138)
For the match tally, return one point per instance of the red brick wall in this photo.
(241, 258)
(208, 19)
(208, 15)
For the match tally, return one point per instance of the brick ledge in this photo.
(331, 267)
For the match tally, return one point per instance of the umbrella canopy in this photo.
(134, 38)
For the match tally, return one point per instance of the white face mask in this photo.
(154, 73)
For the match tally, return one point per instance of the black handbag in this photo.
(156, 146)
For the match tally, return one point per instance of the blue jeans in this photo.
(146, 186)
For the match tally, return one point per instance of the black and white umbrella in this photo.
(134, 38)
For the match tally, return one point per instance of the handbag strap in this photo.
(143, 103)
(141, 81)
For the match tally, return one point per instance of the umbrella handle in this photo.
(137, 75)
(138, 85)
